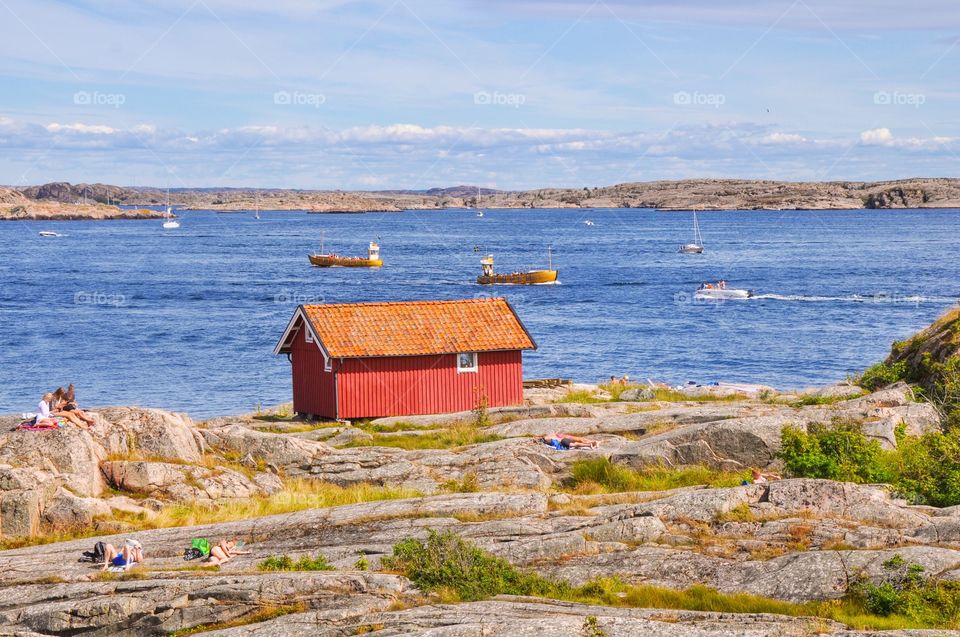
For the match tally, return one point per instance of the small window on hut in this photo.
(307, 336)
(467, 362)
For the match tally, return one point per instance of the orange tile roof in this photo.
(354, 330)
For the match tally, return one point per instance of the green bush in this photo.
(286, 563)
(923, 469)
(446, 561)
(903, 591)
(881, 375)
(839, 451)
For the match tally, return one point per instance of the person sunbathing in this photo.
(569, 441)
(131, 553)
(759, 477)
(70, 404)
(60, 407)
(224, 551)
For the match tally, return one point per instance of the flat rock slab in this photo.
(525, 617)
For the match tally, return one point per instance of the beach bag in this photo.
(97, 555)
(199, 547)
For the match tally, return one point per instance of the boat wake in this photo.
(858, 298)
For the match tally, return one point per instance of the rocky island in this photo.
(466, 524)
(59, 200)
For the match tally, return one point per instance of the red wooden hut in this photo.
(368, 360)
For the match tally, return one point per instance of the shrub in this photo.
(902, 590)
(881, 375)
(923, 469)
(286, 563)
(836, 452)
(446, 561)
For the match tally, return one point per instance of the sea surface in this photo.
(187, 319)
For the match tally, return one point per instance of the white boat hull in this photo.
(691, 248)
(171, 225)
(722, 294)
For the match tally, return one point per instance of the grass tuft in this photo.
(599, 475)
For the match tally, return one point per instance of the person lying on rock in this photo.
(65, 402)
(129, 554)
(759, 477)
(569, 441)
(223, 551)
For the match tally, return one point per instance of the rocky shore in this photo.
(691, 194)
(16, 206)
(269, 478)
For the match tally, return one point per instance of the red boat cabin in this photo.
(370, 360)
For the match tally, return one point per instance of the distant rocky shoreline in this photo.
(60, 200)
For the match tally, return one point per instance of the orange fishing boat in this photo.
(331, 260)
(531, 277)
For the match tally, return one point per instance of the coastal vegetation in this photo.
(599, 475)
(287, 563)
(457, 571)
(923, 469)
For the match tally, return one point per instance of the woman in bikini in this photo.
(223, 551)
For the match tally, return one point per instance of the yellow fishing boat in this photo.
(324, 260)
(531, 277)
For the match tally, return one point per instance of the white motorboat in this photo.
(697, 246)
(49, 233)
(721, 292)
(588, 222)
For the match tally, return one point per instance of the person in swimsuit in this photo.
(223, 551)
(569, 441)
(131, 553)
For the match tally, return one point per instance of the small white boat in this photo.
(170, 223)
(49, 233)
(721, 292)
(588, 223)
(697, 246)
(479, 213)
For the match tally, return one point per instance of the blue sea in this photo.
(187, 319)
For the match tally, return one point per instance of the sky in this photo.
(509, 94)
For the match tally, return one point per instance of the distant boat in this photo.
(257, 213)
(331, 260)
(531, 277)
(49, 233)
(477, 204)
(720, 291)
(588, 223)
(697, 246)
(170, 223)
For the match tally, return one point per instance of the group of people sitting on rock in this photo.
(61, 403)
(131, 552)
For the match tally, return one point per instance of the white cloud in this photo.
(876, 137)
(782, 138)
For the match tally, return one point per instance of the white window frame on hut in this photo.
(473, 367)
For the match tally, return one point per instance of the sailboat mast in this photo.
(550, 257)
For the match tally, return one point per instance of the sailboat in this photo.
(531, 277)
(697, 246)
(479, 212)
(256, 215)
(171, 223)
(332, 260)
